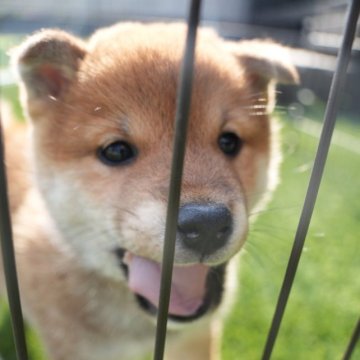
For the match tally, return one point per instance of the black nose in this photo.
(204, 228)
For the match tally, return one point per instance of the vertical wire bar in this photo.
(337, 85)
(181, 121)
(8, 256)
(354, 339)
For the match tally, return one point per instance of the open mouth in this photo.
(195, 289)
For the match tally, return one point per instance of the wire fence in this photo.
(183, 106)
(8, 257)
(181, 122)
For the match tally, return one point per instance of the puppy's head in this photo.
(102, 115)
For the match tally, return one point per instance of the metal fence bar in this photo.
(181, 121)
(352, 343)
(337, 85)
(8, 257)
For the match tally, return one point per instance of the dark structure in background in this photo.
(315, 25)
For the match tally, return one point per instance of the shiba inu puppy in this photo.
(89, 185)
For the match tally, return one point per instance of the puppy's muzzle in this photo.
(204, 228)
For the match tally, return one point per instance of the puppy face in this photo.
(103, 126)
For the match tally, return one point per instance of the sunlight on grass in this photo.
(324, 304)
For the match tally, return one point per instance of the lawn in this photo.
(324, 304)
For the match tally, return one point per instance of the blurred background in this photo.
(315, 25)
(324, 305)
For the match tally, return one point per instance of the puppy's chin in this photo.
(196, 290)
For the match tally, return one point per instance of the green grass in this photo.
(11, 95)
(324, 304)
(7, 350)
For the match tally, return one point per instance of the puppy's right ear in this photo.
(48, 62)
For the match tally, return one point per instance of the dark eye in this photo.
(230, 143)
(117, 153)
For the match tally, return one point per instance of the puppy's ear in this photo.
(265, 61)
(48, 62)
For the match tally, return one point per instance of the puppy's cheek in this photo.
(258, 179)
(259, 186)
(86, 229)
(240, 227)
(142, 230)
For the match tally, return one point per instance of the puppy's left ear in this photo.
(265, 64)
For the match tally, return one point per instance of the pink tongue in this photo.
(187, 289)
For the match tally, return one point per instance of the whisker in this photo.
(275, 209)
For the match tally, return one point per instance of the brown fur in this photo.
(122, 85)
